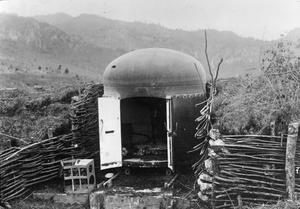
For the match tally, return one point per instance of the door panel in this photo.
(109, 133)
(184, 113)
(170, 134)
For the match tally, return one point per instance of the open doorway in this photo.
(144, 132)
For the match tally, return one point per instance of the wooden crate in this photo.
(79, 175)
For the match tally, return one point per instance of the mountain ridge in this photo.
(128, 36)
(33, 44)
(87, 43)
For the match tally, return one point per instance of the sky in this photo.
(261, 19)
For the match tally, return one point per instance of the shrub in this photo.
(246, 105)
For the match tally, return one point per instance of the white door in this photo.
(109, 132)
(170, 135)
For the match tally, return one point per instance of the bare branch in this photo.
(12, 137)
(197, 70)
(218, 69)
(207, 59)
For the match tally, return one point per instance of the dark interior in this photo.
(143, 128)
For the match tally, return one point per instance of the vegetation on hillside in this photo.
(29, 116)
(31, 104)
(248, 104)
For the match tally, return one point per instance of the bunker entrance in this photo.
(135, 132)
(144, 132)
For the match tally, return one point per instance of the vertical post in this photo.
(273, 133)
(273, 127)
(240, 202)
(50, 133)
(73, 100)
(213, 196)
(293, 131)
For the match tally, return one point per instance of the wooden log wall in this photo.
(22, 168)
(251, 171)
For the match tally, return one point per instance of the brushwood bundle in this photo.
(22, 168)
(84, 116)
(251, 171)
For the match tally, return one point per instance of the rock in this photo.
(209, 166)
(211, 153)
(203, 197)
(205, 177)
(217, 142)
(204, 182)
(214, 134)
(109, 175)
(217, 146)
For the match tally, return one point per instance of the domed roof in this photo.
(154, 72)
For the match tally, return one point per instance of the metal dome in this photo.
(154, 72)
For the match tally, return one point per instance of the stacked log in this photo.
(251, 171)
(84, 117)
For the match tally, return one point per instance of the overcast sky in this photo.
(263, 19)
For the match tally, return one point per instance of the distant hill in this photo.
(30, 44)
(293, 35)
(56, 19)
(87, 43)
(240, 55)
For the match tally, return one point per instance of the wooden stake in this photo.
(168, 184)
(290, 159)
(50, 133)
(240, 202)
(272, 126)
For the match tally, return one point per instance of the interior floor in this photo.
(144, 135)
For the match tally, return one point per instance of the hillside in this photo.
(85, 44)
(241, 55)
(29, 45)
(293, 35)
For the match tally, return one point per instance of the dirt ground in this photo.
(139, 179)
(43, 204)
